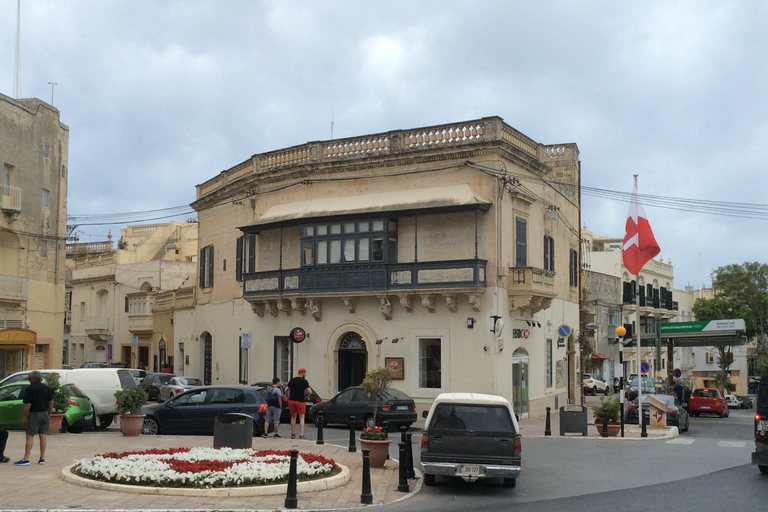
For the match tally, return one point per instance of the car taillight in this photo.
(179, 390)
(74, 402)
(757, 417)
(671, 411)
(318, 400)
(386, 407)
(424, 441)
(518, 445)
(631, 407)
(413, 407)
(590, 381)
(263, 408)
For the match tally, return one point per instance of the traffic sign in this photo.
(644, 367)
(564, 330)
(677, 373)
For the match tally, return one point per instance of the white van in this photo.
(100, 385)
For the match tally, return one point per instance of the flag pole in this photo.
(638, 358)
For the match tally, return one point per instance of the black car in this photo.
(630, 386)
(396, 408)
(676, 415)
(760, 455)
(310, 399)
(193, 412)
(152, 382)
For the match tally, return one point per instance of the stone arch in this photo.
(339, 335)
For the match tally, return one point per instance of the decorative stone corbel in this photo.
(284, 306)
(474, 301)
(314, 307)
(386, 308)
(349, 303)
(258, 308)
(428, 301)
(406, 302)
(299, 305)
(271, 308)
(450, 302)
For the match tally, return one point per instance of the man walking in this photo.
(274, 407)
(296, 389)
(38, 404)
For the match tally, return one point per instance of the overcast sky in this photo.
(162, 95)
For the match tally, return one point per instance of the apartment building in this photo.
(113, 292)
(33, 210)
(447, 253)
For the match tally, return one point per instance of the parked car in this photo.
(734, 402)
(708, 401)
(310, 399)
(593, 384)
(177, 385)
(747, 401)
(91, 364)
(396, 408)
(23, 376)
(630, 386)
(194, 412)
(152, 382)
(471, 436)
(677, 416)
(760, 455)
(138, 375)
(77, 418)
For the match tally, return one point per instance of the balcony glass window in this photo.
(335, 256)
(309, 230)
(335, 229)
(349, 242)
(322, 252)
(363, 252)
(378, 249)
(349, 227)
(349, 250)
(308, 258)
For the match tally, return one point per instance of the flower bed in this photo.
(202, 468)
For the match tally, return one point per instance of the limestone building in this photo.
(448, 253)
(33, 210)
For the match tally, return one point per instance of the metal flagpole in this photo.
(637, 356)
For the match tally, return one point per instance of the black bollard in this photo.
(643, 432)
(385, 428)
(366, 498)
(352, 445)
(320, 422)
(604, 433)
(291, 501)
(548, 426)
(409, 456)
(403, 485)
(403, 430)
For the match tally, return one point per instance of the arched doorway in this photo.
(353, 360)
(207, 346)
(520, 382)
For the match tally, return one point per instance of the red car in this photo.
(707, 401)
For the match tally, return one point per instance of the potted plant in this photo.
(375, 438)
(612, 407)
(60, 398)
(129, 403)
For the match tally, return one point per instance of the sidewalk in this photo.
(42, 487)
(536, 427)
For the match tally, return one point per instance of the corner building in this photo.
(448, 253)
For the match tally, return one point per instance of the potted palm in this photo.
(375, 438)
(610, 407)
(129, 403)
(60, 398)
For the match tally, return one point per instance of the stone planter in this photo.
(378, 451)
(54, 423)
(130, 424)
(613, 430)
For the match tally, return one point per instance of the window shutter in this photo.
(251, 253)
(239, 259)
(202, 263)
(210, 265)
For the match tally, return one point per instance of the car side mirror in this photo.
(424, 414)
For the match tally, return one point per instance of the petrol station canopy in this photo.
(705, 333)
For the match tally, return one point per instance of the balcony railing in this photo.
(14, 288)
(96, 323)
(184, 297)
(367, 277)
(140, 324)
(10, 198)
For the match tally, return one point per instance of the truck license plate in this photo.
(469, 469)
(762, 426)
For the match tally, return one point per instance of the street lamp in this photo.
(621, 331)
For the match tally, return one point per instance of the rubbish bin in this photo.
(234, 430)
(573, 420)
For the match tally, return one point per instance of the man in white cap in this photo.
(38, 404)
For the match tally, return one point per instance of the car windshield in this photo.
(705, 393)
(74, 390)
(189, 381)
(395, 394)
(449, 416)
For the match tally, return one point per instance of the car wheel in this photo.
(606, 391)
(64, 428)
(75, 430)
(763, 469)
(430, 479)
(722, 414)
(105, 422)
(727, 413)
(593, 391)
(510, 482)
(150, 427)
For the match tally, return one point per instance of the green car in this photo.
(79, 415)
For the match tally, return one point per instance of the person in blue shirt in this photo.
(275, 398)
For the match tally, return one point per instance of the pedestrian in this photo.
(166, 368)
(38, 404)
(686, 397)
(296, 389)
(678, 389)
(274, 407)
(3, 440)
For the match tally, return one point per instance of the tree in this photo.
(745, 288)
(377, 382)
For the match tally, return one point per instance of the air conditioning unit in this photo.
(68, 318)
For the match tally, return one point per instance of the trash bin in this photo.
(573, 420)
(234, 430)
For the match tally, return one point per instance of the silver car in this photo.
(177, 385)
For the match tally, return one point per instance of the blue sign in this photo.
(564, 330)
(644, 366)
(677, 373)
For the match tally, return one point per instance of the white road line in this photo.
(732, 444)
(681, 440)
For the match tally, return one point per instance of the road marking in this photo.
(732, 444)
(680, 440)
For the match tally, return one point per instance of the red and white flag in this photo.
(640, 245)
